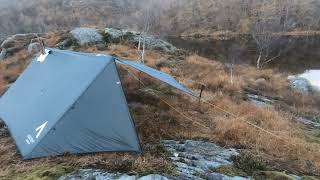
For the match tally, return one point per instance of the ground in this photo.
(269, 138)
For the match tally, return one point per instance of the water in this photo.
(297, 54)
(313, 76)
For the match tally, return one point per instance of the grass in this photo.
(272, 175)
(155, 120)
(230, 170)
(44, 173)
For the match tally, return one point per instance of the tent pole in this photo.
(42, 47)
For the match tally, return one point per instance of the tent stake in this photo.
(203, 86)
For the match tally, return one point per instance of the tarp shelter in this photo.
(67, 102)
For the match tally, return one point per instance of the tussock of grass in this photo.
(272, 175)
(230, 171)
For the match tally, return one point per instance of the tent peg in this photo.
(202, 88)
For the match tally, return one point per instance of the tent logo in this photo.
(40, 129)
(30, 139)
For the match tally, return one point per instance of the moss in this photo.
(230, 171)
(309, 178)
(200, 175)
(44, 173)
(312, 135)
(271, 175)
(168, 169)
(249, 163)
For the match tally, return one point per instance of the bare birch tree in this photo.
(268, 22)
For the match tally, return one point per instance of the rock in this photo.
(218, 176)
(155, 43)
(90, 174)
(95, 174)
(8, 43)
(34, 48)
(153, 177)
(118, 34)
(85, 36)
(65, 43)
(259, 101)
(3, 54)
(194, 159)
(16, 43)
(272, 175)
(308, 123)
(18, 40)
(151, 42)
(300, 84)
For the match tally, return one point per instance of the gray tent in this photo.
(67, 102)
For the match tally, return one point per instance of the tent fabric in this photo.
(69, 103)
(156, 74)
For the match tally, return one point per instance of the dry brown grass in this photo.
(155, 120)
(12, 67)
(291, 146)
(213, 74)
(53, 38)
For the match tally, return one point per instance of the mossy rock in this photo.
(45, 173)
(271, 175)
(249, 163)
(310, 178)
(230, 170)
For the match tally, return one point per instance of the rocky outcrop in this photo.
(87, 36)
(300, 84)
(309, 123)
(34, 47)
(151, 42)
(15, 43)
(90, 174)
(197, 159)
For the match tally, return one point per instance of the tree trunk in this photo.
(231, 74)
(259, 61)
(143, 49)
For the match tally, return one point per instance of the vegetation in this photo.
(226, 117)
(162, 17)
(294, 149)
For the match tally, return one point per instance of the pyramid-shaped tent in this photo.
(69, 103)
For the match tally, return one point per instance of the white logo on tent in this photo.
(40, 129)
(30, 139)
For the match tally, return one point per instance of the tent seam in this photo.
(129, 113)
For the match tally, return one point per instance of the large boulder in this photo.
(87, 36)
(15, 43)
(3, 54)
(300, 84)
(34, 47)
(151, 42)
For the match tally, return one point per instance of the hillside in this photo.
(265, 130)
(162, 17)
